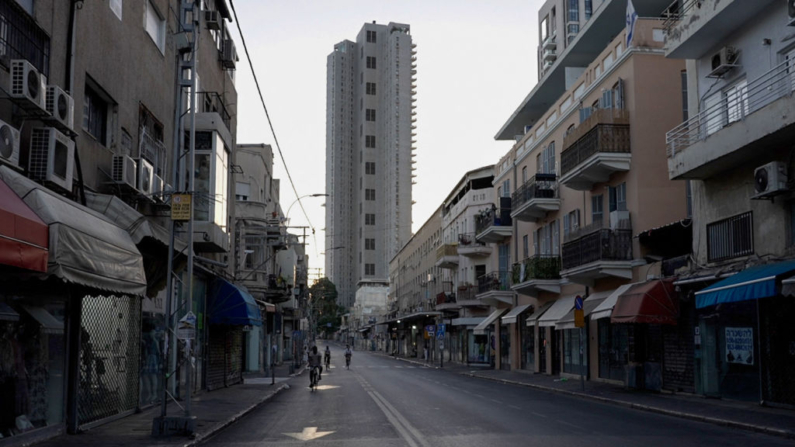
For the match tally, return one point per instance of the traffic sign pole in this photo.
(579, 322)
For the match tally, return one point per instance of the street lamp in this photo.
(333, 248)
(287, 216)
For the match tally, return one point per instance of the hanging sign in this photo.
(186, 327)
(740, 345)
(180, 207)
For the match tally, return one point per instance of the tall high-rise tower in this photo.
(370, 124)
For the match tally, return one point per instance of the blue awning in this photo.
(750, 284)
(229, 304)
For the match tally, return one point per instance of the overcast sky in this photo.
(476, 61)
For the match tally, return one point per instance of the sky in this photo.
(476, 61)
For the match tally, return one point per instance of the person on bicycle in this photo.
(348, 354)
(315, 367)
(327, 357)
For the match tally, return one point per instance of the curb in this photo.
(217, 428)
(414, 362)
(299, 372)
(678, 414)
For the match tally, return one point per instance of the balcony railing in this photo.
(466, 292)
(468, 240)
(605, 131)
(536, 267)
(492, 218)
(601, 245)
(730, 238)
(446, 250)
(676, 11)
(776, 83)
(494, 281)
(22, 38)
(540, 186)
(212, 102)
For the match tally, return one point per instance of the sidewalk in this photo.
(742, 415)
(215, 411)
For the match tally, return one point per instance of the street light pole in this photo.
(287, 215)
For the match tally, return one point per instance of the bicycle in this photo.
(313, 376)
(347, 362)
(328, 362)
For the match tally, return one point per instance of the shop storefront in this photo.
(517, 318)
(576, 347)
(612, 339)
(483, 347)
(552, 341)
(535, 360)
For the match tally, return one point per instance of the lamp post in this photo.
(287, 215)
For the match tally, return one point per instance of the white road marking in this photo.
(495, 401)
(514, 407)
(403, 426)
(538, 414)
(309, 434)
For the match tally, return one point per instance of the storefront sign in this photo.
(740, 345)
(180, 206)
(186, 327)
(579, 318)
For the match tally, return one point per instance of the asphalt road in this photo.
(384, 402)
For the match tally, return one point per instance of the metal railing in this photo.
(730, 238)
(601, 245)
(490, 218)
(446, 250)
(210, 102)
(674, 13)
(775, 84)
(540, 186)
(22, 38)
(603, 137)
(466, 292)
(499, 280)
(469, 240)
(536, 267)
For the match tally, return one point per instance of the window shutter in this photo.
(566, 225)
(619, 94)
(556, 237)
(535, 242)
(585, 112)
(607, 100)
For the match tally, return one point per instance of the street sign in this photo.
(440, 332)
(180, 206)
(578, 302)
(186, 327)
(429, 331)
(579, 318)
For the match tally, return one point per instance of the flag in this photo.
(632, 17)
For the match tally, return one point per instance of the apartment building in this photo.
(734, 149)
(559, 23)
(370, 130)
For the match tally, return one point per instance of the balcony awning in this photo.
(590, 303)
(49, 324)
(24, 238)
(605, 309)
(269, 308)
(230, 304)
(750, 284)
(84, 247)
(558, 310)
(532, 320)
(484, 325)
(652, 302)
(513, 315)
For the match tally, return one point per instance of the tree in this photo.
(324, 306)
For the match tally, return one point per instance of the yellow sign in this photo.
(579, 318)
(180, 206)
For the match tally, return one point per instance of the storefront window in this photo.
(32, 348)
(479, 351)
(528, 343)
(572, 344)
(613, 350)
(505, 348)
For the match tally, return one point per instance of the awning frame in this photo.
(481, 328)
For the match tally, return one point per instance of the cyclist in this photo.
(348, 354)
(327, 358)
(315, 368)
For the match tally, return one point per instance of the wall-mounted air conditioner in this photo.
(212, 20)
(723, 61)
(61, 106)
(229, 54)
(123, 170)
(146, 174)
(52, 157)
(9, 144)
(27, 83)
(770, 180)
(619, 220)
(157, 187)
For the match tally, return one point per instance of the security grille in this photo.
(110, 332)
(730, 238)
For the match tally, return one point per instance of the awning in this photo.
(559, 308)
(365, 329)
(750, 284)
(653, 302)
(49, 324)
(532, 320)
(84, 247)
(481, 328)
(229, 304)
(7, 313)
(23, 236)
(513, 315)
(605, 309)
(590, 303)
(269, 308)
(471, 321)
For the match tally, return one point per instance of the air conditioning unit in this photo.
(723, 61)
(619, 220)
(157, 187)
(61, 106)
(770, 179)
(27, 83)
(52, 157)
(213, 20)
(124, 170)
(9, 144)
(146, 174)
(229, 55)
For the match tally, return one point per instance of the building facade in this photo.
(369, 148)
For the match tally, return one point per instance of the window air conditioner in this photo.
(52, 157)
(124, 170)
(229, 54)
(9, 144)
(61, 106)
(145, 177)
(723, 61)
(27, 83)
(770, 180)
(213, 20)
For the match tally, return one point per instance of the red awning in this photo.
(24, 238)
(652, 302)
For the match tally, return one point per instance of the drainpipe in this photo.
(69, 83)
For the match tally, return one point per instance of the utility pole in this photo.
(187, 51)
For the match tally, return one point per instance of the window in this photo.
(524, 174)
(242, 191)
(115, 6)
(556, 237)
(524, 247)
(597, 208)
(369, 141)
(574, 10)
(544, 29)
(95, 115)
(370, 115)
(737, 101)
(545, 160)
(369, 194)
(571, 222)
(155, 25)
(369, 168)
(371, 36)
(618, 197)
(369, 269)
(371, 62)
(370, 88)
(506, 188)
(730, 238)
(684, 96)
(369, 219)
(588, 9)
(369, 244)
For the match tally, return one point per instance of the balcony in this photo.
(538, 196)
(278, 290)
(693, 27)
(549, 43)
(550, 55)
(596, 149)
(470, 247)
(447, 257)
(494, 225)
(495, 287)
(535, 274)
(733, 131)
(598, 252)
